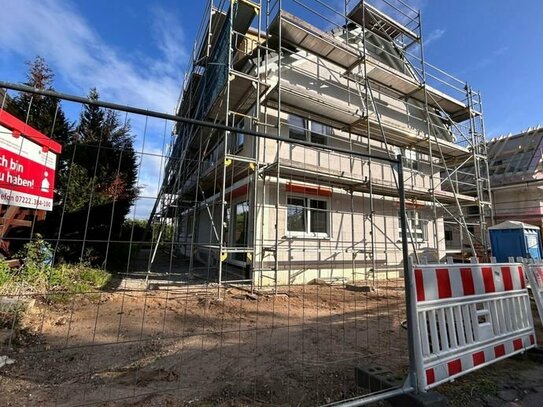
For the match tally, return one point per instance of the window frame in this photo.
(309, 135)
(411, 159)
(237, 139)
(239, 258)
(306, 233)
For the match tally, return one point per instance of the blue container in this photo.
(515, 239)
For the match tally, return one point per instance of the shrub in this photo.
(36, 257)
(36, 274)
(6, 276)
(77, 278)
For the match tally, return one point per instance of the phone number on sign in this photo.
(8, 198)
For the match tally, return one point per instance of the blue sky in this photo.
(134, 52)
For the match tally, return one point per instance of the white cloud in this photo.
(56, 30)
(81, 59)
(434, 36)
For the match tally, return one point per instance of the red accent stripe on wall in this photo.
(443, 283)
(488, 280)
(239, 191)
(19, 127)
(420, 285)
(309, 190)
(467, 281)
(507, 279)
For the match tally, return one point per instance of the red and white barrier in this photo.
(468, 316)
(535, 277)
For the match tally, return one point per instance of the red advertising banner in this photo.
(27, 165)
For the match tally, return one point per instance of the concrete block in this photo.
(360, 288)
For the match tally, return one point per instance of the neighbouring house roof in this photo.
(515, 158)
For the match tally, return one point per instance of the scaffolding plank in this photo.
(245, 12)
(402, 138)
(317, 42)
(350, 116)
(303, 35)
(318, 104)
(215, 26)
(378, 22)
(411, 87)
(300, 171)
(242, 95)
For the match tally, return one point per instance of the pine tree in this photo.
(105, 151)
(41, 112)
(103, 175)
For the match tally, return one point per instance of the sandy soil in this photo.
(182, 346)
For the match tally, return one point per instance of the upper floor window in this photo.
(237, 139)
(308, 130)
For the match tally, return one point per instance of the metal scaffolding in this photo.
(359, 75)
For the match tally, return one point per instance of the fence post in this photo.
(410, 310)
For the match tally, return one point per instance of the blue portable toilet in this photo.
(515, 239)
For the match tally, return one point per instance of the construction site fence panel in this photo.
(534, 272)
(468, 316)
(126, 293)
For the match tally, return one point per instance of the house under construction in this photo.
(350, 79)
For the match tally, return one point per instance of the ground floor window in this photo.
(308, 216)
(240, 223)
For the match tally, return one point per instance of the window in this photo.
(418, 227)
(473, 210)
(237, 139)
(296, 127)
(448, 235)
(319, 132)
(410, 157)
(308, 130)
(239, 230)
(307, 216)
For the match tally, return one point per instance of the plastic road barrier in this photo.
(468, 316)
(535, 277)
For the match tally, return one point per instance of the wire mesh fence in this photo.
(262, 273)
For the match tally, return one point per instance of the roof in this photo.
(513, 224)
(515, 158)
(19, 127)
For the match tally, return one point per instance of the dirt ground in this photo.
(182, 346)
(179, 346)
